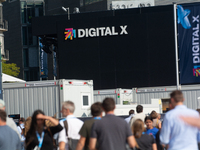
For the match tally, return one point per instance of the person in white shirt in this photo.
(21, 127)
(139, 115)
(21, 131)
(131, 114)
(73, 123)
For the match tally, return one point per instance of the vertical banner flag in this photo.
(43, 62)
(188, 40)
(54, 64)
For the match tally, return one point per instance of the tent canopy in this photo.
(8, 78)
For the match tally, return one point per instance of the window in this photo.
(30, 36)
(25, 57)
(81, 3)
(31, 75)
(37, 12)
(85, 100)
(30, 11)
(24, 36)
(1, 15)
(23, 12)
(26, 75)
(38, 9)
(41, 11)
(34, 75)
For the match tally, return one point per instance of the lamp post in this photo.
(66, 10)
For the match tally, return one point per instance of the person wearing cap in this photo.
(9, 121)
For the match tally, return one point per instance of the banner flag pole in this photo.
(176, 45)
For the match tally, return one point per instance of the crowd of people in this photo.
(178, 131)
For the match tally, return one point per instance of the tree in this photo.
(10, 68)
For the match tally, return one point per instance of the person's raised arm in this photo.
(191, 121)
(54, 121)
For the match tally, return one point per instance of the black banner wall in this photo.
(188, 39)
(124, 51)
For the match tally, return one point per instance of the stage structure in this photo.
(118, 48)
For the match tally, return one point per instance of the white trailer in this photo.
(162, 94)
(125, 102)
(121, 96)
(147, 108)
(24, 98)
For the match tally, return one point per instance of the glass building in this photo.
(23, 48)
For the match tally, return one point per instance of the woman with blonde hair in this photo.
(143, 141)
(156, 121)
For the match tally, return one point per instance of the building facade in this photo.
(3, 28)
(167, 2)
(53, 7)
(22, 45)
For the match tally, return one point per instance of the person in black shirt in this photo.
(85, 132)
(111, 132)
(39, 136)
(143, 141)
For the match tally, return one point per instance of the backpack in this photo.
(72, 143)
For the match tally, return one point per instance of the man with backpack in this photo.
(69, 136)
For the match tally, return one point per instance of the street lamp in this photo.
(76, 10)
(66, 10)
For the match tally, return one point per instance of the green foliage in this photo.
(126, 103)
(10, 69)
